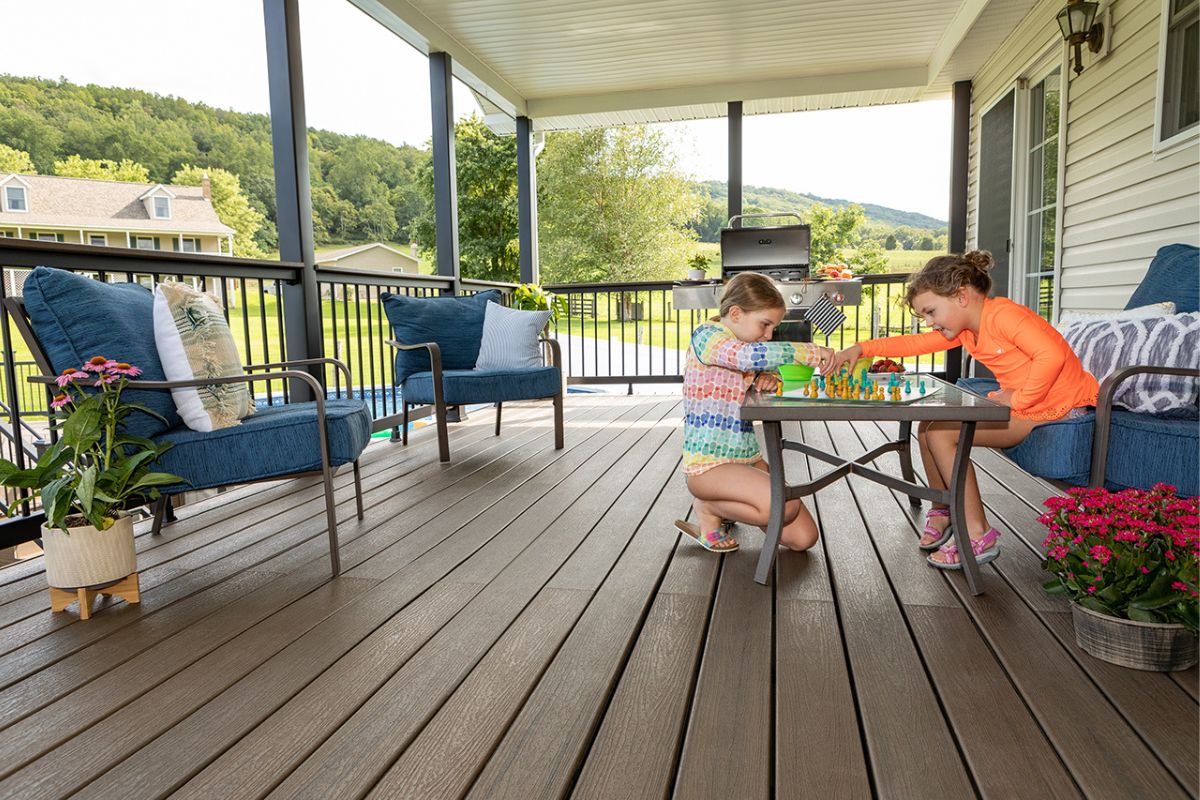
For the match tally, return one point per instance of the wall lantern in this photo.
(1077, 21)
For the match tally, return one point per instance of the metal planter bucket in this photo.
(1139, 645)
(86, 557)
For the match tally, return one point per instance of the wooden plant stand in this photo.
(127, 589)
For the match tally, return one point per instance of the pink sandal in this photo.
(940, 537)
(985, 548)
(719, 541)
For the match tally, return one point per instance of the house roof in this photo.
(107, 205)
(332, 256)
(587, 63)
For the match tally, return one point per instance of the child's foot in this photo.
(985, 546)
(719, 540)
(937, 528)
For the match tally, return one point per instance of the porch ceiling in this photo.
(584, 63)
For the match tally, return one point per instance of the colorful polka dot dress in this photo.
(718, 370)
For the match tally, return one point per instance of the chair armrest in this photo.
(555, 351)
(292, 374)
(1104, 409)
(338, 365)
(435, 363)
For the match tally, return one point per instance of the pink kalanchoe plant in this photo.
(1131, 554)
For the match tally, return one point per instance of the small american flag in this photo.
(825, 315)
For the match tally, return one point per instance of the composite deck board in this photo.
(524, 622)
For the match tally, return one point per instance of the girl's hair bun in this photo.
(978, 259)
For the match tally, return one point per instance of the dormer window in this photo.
(15, 198)
(162, 208)
(157, 202)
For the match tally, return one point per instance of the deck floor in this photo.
(524, 623)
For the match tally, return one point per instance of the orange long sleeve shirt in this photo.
(1026, 353)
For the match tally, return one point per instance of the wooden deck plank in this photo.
(902, 722)
(353, 758)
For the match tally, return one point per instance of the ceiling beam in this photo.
(902, 77)
(407, 22)
(968, 11)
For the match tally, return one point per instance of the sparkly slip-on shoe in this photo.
(719, 541)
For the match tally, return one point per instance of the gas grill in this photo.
(781, 252)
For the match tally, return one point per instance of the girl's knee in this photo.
(803, 538)
(792, 510)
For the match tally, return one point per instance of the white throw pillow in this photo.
(1173, 340)
(194, 341)
(510, 338)
(1141, 312)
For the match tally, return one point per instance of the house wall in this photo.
(1120, 201)
(378, 259)
(208, 243)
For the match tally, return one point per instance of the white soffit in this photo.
(590, 63)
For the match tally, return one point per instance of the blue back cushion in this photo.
(454, 323)
(76, 317)
(1174, 275)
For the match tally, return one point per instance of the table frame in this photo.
(773, 414)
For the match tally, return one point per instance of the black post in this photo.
(526, 202)
(445, 190)
(293, 202)
(959, 161)
(735, 159)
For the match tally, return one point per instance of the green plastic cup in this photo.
(796, 373)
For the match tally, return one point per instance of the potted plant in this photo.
(1128, 562)
(531, 297)
(698, 267)
(90, 477)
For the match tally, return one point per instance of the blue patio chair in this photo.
(67, 318)
(437, 343)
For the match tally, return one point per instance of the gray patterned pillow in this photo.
(1172, 340)
(510, 338)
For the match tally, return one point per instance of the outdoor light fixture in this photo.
(1078, 24)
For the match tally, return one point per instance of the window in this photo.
(14, 198)
(1041, 195)
(162, 208)
(46, 237)
(1179, 101)
(145, 242)
(191, 245)
(98, 239)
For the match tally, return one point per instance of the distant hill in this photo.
(772, 199)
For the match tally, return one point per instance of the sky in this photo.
(361, 79)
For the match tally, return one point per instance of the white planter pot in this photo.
(84, 556)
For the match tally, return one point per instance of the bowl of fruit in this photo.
(886, 365)
(832, 272)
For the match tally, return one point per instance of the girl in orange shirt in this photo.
(1040, 378)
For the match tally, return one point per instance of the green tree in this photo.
(708, 223)
(837, 237)
(890, 242)
(613, 206)
(124, 170)
(926, 243)
(13, 160)
(231, 205)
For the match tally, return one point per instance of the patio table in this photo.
(949, 404)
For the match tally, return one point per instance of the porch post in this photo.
(959, 162)
(526, 201)
(293, 202)
(445, 191)
(735, 159)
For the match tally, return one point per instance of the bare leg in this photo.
(743, 493)
(943, 441)
(936, 481)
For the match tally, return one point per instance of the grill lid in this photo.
(768, 247)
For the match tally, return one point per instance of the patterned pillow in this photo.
(1167, 341)
(510, 338)
(1141, 312)
(194, 341)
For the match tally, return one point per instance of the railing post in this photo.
(445, 181)
(735, 159)
(527, 201)
(293, 202)
(959, 164)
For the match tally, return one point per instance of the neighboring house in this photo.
(112, 214)
(1074, 210)
(376, 256)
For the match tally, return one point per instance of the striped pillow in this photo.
(510, 338)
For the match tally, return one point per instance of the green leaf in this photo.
(82, 428)
(1152, 601)
(1091, 602)
(1139, 615)
(156, 479)
(1055, 586)
(86, 489)
(56, 500)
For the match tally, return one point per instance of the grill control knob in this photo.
(797, 298)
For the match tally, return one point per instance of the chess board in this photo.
(796, 391)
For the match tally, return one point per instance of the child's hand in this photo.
(766, 382)
(822, 356)
(1003, 397)
(842, 358)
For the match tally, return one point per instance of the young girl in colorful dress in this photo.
(725, 471)
(1040, 378)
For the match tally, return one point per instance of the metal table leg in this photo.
(906, 467)
(958, 515)
(773, 434)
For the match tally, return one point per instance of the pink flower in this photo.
(1091, 590)
(69, 374)
(1170, 556)
(59, 401)
(1144, 570)
(1179, 586)
(99, 364)
(101, 380)
(125, 369)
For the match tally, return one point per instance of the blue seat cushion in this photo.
(1061, 450)
(274, 442)
(76, 318)
(454, 323)
(1174, 275)
(464, 386)
(1144, 450)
